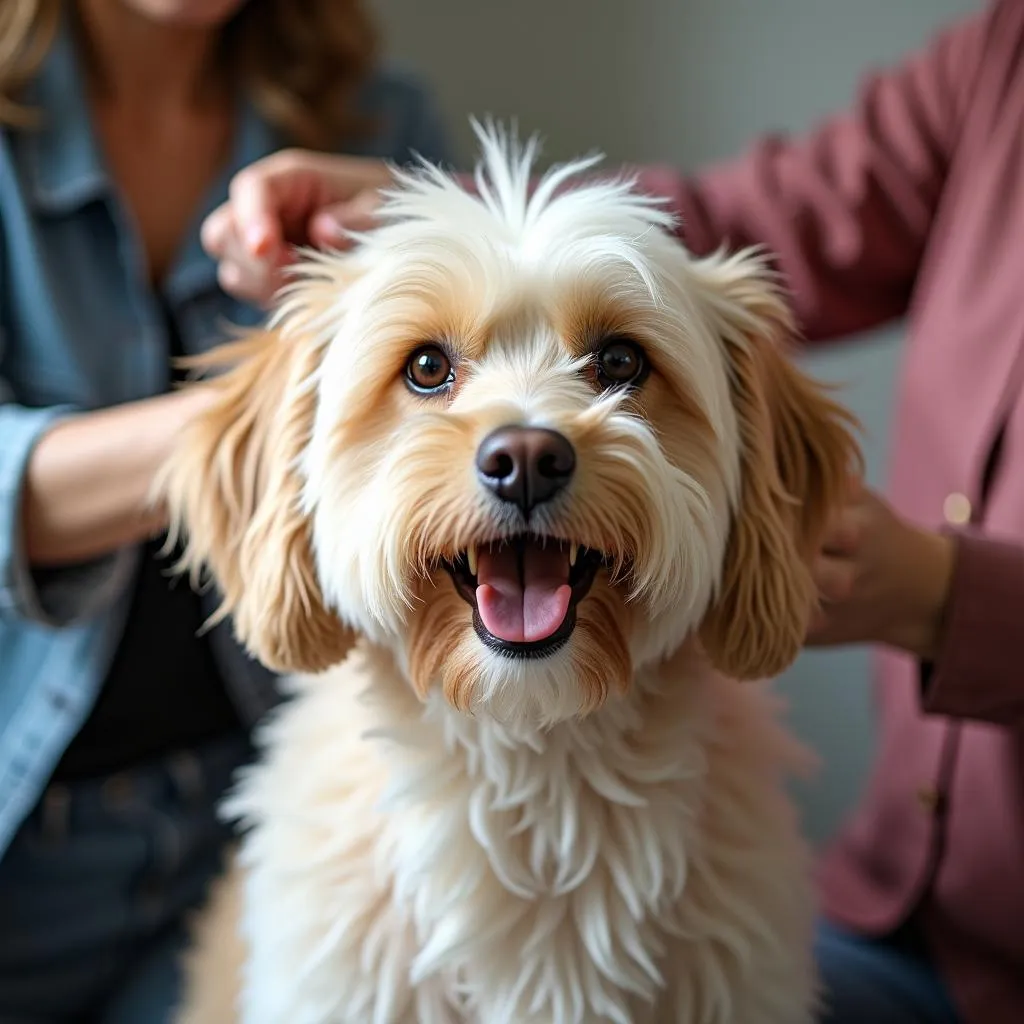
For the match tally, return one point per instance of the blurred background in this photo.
(685, 82)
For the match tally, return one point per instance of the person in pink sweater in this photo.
(910, 204)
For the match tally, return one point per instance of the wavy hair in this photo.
(299, 61)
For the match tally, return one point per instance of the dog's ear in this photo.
(798, 456)
(233, 491)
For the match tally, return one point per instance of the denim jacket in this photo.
(81, 329)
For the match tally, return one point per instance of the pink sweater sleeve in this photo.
(977, 674)
(845, 210)
(846, 213)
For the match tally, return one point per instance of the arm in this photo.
(88, 480)
(953, 601)
(976, 672)
(73, 491)
(847, 209)
(297, 197)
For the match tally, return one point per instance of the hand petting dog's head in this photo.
(523, 439)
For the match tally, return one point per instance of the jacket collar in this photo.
(64, 164)
(66, 169)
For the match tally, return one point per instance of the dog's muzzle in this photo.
(524, 591)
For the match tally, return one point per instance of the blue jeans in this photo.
(95, 885)
(879, 981)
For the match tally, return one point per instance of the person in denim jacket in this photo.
(123, 124)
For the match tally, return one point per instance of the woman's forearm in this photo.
(88, 483)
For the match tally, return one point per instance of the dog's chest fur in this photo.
(412, 864)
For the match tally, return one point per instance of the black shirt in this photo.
(164, 691)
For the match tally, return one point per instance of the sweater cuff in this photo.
(977, 673)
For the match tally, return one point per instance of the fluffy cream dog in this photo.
(517, 493)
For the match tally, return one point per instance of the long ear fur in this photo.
(798, 455)
(233, 492)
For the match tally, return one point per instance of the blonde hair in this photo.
(299, 61)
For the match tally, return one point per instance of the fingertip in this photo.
(260, 239)
(230, 276)
(214, 230)
(255, 214)
(327, 231)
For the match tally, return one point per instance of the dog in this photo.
(521, 497)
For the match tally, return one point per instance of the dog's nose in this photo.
(525, 466)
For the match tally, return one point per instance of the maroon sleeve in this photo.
(978, 673)
(845, 210)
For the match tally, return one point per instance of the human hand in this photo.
(288, 199)
(881, 580)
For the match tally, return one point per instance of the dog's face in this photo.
(529, 444)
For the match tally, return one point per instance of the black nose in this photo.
(525, 466)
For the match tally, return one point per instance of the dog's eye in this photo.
(429, 370)
(620, 361)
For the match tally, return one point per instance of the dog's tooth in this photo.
(574, 550)
(471, 556)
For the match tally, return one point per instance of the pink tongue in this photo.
(523, 596)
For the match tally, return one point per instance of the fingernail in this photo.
(258, 239)
(331, 227)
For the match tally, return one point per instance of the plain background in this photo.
(686, 82)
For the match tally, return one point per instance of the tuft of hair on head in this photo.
(509, 198)
(798, 457)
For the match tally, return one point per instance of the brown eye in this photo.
(429, 370)
(619, 362)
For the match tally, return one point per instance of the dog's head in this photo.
(526, 441)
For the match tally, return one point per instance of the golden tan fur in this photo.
(799, 456)
(442, 830)
(235, 484)
(239, 493)
(442, 647)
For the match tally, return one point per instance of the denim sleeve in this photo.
(53, 597)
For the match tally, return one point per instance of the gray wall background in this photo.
(688, 81)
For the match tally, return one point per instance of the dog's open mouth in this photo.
(524, 591)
